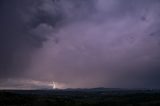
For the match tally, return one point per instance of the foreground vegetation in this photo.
(80, 98)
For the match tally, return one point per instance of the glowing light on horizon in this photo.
(53, 85)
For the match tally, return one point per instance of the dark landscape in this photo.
(80, 97)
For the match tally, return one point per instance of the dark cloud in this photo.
(79, 43)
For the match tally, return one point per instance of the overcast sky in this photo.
(79, 43)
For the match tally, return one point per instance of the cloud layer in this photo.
(79, 43)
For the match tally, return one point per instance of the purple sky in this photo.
(79, 43)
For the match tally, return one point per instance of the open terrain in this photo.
(80, 97)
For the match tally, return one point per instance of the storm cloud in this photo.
(79, 43)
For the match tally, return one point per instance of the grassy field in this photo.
(85, 97)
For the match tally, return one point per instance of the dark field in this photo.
(80, 97)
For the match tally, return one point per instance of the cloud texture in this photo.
(80, 43)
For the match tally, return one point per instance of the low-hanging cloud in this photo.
(93, 43)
